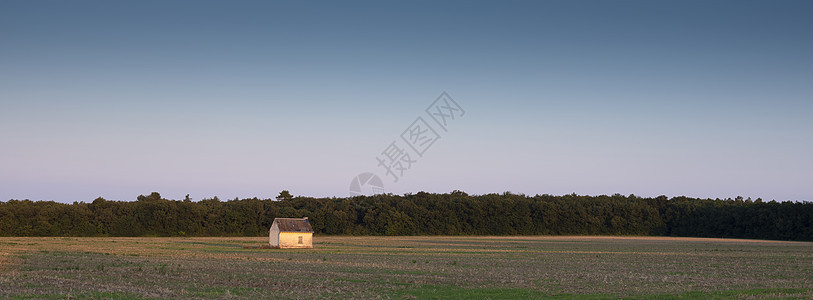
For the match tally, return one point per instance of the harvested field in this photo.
(405, 267)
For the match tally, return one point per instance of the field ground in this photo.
(406, 267)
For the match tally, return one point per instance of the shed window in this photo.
(300, 239)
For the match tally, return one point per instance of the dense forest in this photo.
(455, 213)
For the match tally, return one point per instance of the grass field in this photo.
(406, 267)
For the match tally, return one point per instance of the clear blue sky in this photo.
(244, 99)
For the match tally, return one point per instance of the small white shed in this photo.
(291, 233)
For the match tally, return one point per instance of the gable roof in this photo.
(293, 225)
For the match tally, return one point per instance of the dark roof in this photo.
(293, 225)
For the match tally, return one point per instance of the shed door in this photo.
(300, 240)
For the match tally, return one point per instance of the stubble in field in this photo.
(404, 267)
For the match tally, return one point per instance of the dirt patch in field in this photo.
(5, 261)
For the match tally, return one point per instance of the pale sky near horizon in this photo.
(243, 99)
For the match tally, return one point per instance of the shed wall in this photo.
(273, 235)
(291, 240)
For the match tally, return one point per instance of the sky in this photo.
(241, 99)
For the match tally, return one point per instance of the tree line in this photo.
(455, 213)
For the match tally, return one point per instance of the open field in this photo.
(405, 267)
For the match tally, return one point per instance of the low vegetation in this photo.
(405, 267)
